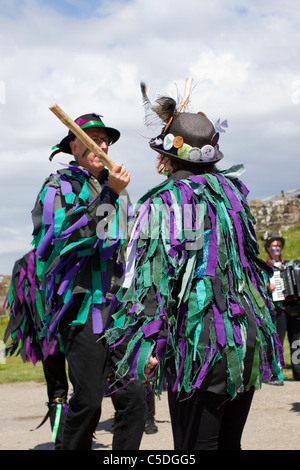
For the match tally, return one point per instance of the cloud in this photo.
(91, 56)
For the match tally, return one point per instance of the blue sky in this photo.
(83, 9)
(243, 57)
(77, 8)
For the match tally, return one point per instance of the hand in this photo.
(118, 178)
(152, 363)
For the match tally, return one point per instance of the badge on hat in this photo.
(178, 142)
(208, 153)
(183, 151)
(194, 154)
(168, 142)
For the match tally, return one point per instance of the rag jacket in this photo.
(193, 294)
(79, 227)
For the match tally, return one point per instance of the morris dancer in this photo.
(77, 237)
(194, 300)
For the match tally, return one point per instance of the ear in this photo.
(73, 148)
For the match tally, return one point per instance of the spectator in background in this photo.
(287, 313)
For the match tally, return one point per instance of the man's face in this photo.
(89, 160)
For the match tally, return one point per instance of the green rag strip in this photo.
(56, 422)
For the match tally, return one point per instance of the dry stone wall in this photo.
(279, 213)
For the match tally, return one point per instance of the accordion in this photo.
(287, 282)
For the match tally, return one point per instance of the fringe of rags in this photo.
(26, 310)
(183, 283)
(54, 268)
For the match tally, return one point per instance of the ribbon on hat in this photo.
(220, 125)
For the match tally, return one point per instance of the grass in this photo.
(287, 371)
(14, 369)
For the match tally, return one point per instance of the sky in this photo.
(243, 57)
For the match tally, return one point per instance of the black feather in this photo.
(164, 108)
(146, 100)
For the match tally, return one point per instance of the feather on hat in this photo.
(185, 136)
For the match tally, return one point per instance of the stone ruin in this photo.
(277, 213)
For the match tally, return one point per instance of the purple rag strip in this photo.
(152, 327)
(235, 203)
(30, 352)
(83, 221)
(208, 358)
(97, 319)
(20, 288)
(49, 204)
(46, 241)
(219, 325)
(239, 234)
(69, 276)
(55, 322)
(65, 185)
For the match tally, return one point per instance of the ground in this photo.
(273, 422)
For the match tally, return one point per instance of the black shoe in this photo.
(150, 427)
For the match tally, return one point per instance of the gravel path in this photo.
(273, 423)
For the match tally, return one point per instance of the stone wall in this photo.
(278, 213)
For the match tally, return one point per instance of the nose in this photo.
(104, 145)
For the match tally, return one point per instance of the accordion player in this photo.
(287, 283)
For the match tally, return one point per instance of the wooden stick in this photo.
(184, 102)
(186, 95)
(82, 136)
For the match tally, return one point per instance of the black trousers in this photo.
(89, 364)
(291, 326)
(208, 421)
(57, 389)
(56, 377)
(150, 397)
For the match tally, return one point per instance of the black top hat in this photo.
(269, 238)
(85, 121)
(191, 138)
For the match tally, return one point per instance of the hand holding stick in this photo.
(82, 136)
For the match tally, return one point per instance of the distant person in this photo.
(195, 303)
(287, 317)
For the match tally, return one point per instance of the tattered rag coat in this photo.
(193, 294)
